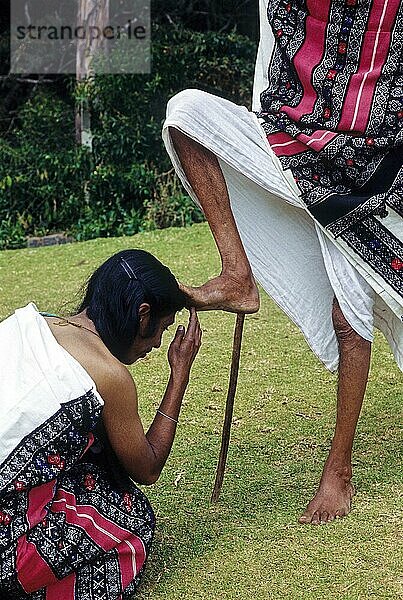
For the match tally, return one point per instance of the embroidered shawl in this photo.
(333, 114)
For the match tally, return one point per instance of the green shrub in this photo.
(41, 168)
(12, 233)
(95, 223)
(49, 184)
(170, 206)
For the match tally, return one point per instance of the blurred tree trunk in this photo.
(91, 13)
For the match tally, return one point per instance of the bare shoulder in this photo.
(117, 381)
(112, 378)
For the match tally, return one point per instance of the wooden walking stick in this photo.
(236, 352)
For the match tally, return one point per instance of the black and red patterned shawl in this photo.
(333, 114)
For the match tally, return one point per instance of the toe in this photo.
(306, 517)
(324, 517)
(315, 518)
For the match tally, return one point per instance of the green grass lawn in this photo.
(249, 545)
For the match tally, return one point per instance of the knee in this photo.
(186, 101)
(344, 332)
(178, 138)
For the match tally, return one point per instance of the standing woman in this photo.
(72, 523)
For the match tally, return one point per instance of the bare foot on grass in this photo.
(333, 498)
(227, 293)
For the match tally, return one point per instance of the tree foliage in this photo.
(47, 183)
(223, 16)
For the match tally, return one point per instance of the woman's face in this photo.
(144, 342)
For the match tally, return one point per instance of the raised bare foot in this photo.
(224, 293)
(333, 498)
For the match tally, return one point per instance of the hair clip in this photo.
(128, 269)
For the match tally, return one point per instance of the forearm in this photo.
(161, 433)
(181, 355)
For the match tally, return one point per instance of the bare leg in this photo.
(333, 498)
(235, 289)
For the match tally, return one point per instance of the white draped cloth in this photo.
(37, 377)
(293, 260)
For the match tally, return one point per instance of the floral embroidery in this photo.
(89, 482)
(397, 264)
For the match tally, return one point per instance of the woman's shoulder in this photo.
(87, 349)
(111, 377)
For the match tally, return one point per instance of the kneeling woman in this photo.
(72, 523)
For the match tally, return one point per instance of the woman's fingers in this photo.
(198, 332)
(199, 335)
(188, 341)
(185, 345)
(193, 334)
(180, 332)
(176, 343)
(193, 321)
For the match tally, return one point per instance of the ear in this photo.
(144, 317)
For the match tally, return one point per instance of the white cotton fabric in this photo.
(297, 265)
(37, 376)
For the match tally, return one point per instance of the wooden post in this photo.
(229, 408)
(91, 14)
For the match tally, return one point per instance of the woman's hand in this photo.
(184, 348)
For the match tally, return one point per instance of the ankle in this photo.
(237, 273)
(339, 466)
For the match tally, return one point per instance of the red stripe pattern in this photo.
(334, 105)
(113, 542)
(72, 521)
(309, 56)
(361, 89)
(104, 532)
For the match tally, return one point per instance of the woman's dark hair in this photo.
(116, 290)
